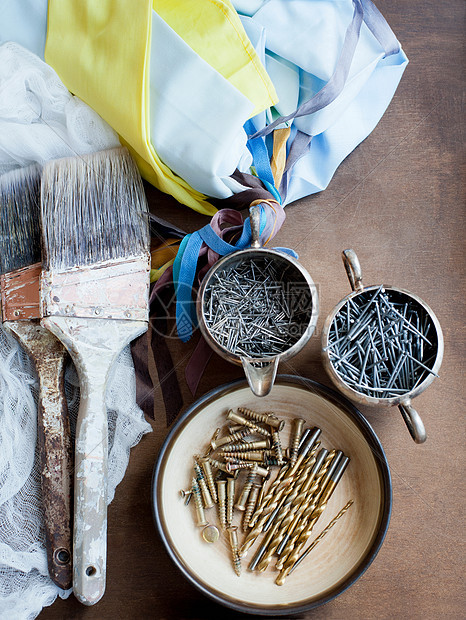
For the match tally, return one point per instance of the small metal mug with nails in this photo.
(283, 292)
(409, 347)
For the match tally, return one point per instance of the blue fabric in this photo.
(260, 156)
(343, 63)
(185, 264)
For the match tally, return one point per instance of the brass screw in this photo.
(237, 436)
(245, 446)
(251, 504)
(186, 495)
(218, 464)
(236, 417)
(266, 418)
(200, 516)
(277, 447)
(231, 467)
(231, 487)
(208, 503)
(243, 498)
(206, 466)
(255, 455)
(222, 497)
(214, 437)
(298, 424)
(233, 535)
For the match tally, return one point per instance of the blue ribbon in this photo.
(184, 268)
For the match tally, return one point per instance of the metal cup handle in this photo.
(255, 221)
(413, 422)
(353, 269)
(260, 374)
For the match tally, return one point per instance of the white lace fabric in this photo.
(40, 120)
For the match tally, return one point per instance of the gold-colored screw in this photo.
(200, 516)
(251, 504)
(186, 495)
(233, 535)
(266, 418)
(297, 431)
(254, 455)
(234, 466)
(245, 446)
(277, 447)
(218, 464)
(208, 503)
(214, 437)
(236, 417)
(237, 436)
(231, 488)
(222, 502)
(243, 498)
(209, 476)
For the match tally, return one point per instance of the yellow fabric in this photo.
(101, 51)
(278, 160)
(214, 31)
(155, 274)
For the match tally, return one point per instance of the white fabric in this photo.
(25, 587)
(41, 120)
(197, 116)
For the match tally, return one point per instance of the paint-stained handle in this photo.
(56, 464)
(54, 441)
(94, 345)
(90, 485)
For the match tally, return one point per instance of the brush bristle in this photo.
(19, 218)
(94, 209)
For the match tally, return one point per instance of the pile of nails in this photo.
(382, 343)
(253, 310)
(287, 509)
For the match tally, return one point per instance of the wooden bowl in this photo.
(337, 561)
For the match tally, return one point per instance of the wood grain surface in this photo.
(398, 200)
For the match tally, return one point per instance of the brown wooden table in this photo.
(398, 200)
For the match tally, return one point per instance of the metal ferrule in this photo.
(20, 293)
(116, 289)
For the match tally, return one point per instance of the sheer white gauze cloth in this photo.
(41, 120)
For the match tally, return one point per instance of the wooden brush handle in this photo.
(53, 435)
(94, 345)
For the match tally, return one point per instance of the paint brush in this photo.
(94, 298)
(20, 267)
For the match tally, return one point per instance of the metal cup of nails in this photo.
(256, 307)
(382, 345)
